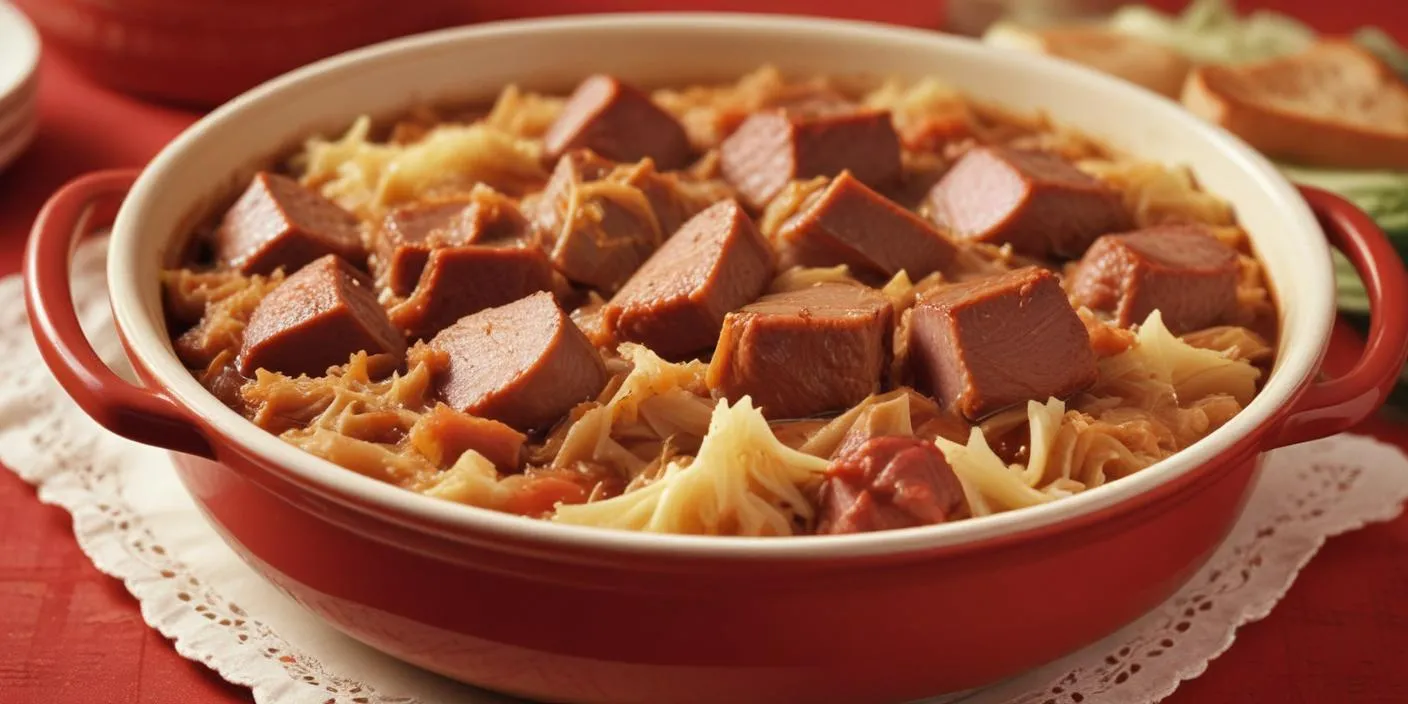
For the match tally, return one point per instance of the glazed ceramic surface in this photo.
(581, 614)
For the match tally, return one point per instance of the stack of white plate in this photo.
(19, 94)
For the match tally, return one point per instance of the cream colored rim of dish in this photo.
(19, 50)
(1299, 358)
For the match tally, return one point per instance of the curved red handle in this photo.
(1334, 405)
(133, 412)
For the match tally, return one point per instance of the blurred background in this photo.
(199, 52)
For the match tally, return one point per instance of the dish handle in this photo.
(134, 412)
(1331, 406)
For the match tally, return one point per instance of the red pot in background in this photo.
(925, 14)
(203, 53)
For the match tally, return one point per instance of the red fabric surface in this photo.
(69, 634)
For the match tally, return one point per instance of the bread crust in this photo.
(1333, 105)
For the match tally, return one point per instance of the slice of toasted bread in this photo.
(1149, 64)
(1334, 105)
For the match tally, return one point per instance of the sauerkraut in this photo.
(742, 482)
(659, 450)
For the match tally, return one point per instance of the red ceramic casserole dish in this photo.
(566, 613)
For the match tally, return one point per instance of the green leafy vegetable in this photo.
(1383, 46)
(1210, 31)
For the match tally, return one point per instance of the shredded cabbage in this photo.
(367, 177)
(1193, 372)
(742, 482)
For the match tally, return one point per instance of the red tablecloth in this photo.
(69, 634)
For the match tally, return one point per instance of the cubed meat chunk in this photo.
(620, 122)
(600, 231)
(671, 198)
(459, 281)
(776, 146)
(848, 223)
(524, 364)
(804, 352)
(981, 346)
(574, 169)
(492, 218)
(1180, 270)
(676, 303)
(1038, 202)
(278, 223)
(317, 319)
(888, 483)
(403, 242)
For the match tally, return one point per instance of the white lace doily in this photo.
(131, 516)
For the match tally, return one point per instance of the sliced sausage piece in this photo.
(409, 233)
(524, 363)
(672, 197)
(1037, 202)
(573, 169)
(278, 223)
(984, 345)
(848, 223)
(600, 231)
(676, 303)
(672, 200)
(492, 218)
(620, 122)
(1180, 270)
(317, 319)
(804, 352)
(459, 281)
(403, 242)
(551, 207)
(776, 146)
(886, 484)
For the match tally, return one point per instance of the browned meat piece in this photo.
(600, 231)
(984, 345)
(848, 223)
(409, 233)
(619, 122)
(804, 352)
(1038, 202)
(316, 319)
(575, 168)
(225, 382)
(1180, 270)
(443, 434)
(671, 199)
(776, 146)
(492, 218)
(405, 238)
(886, 484)
(556, 202)
(278, 223)
(676, 303)
(524, 363)
(459, 281)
